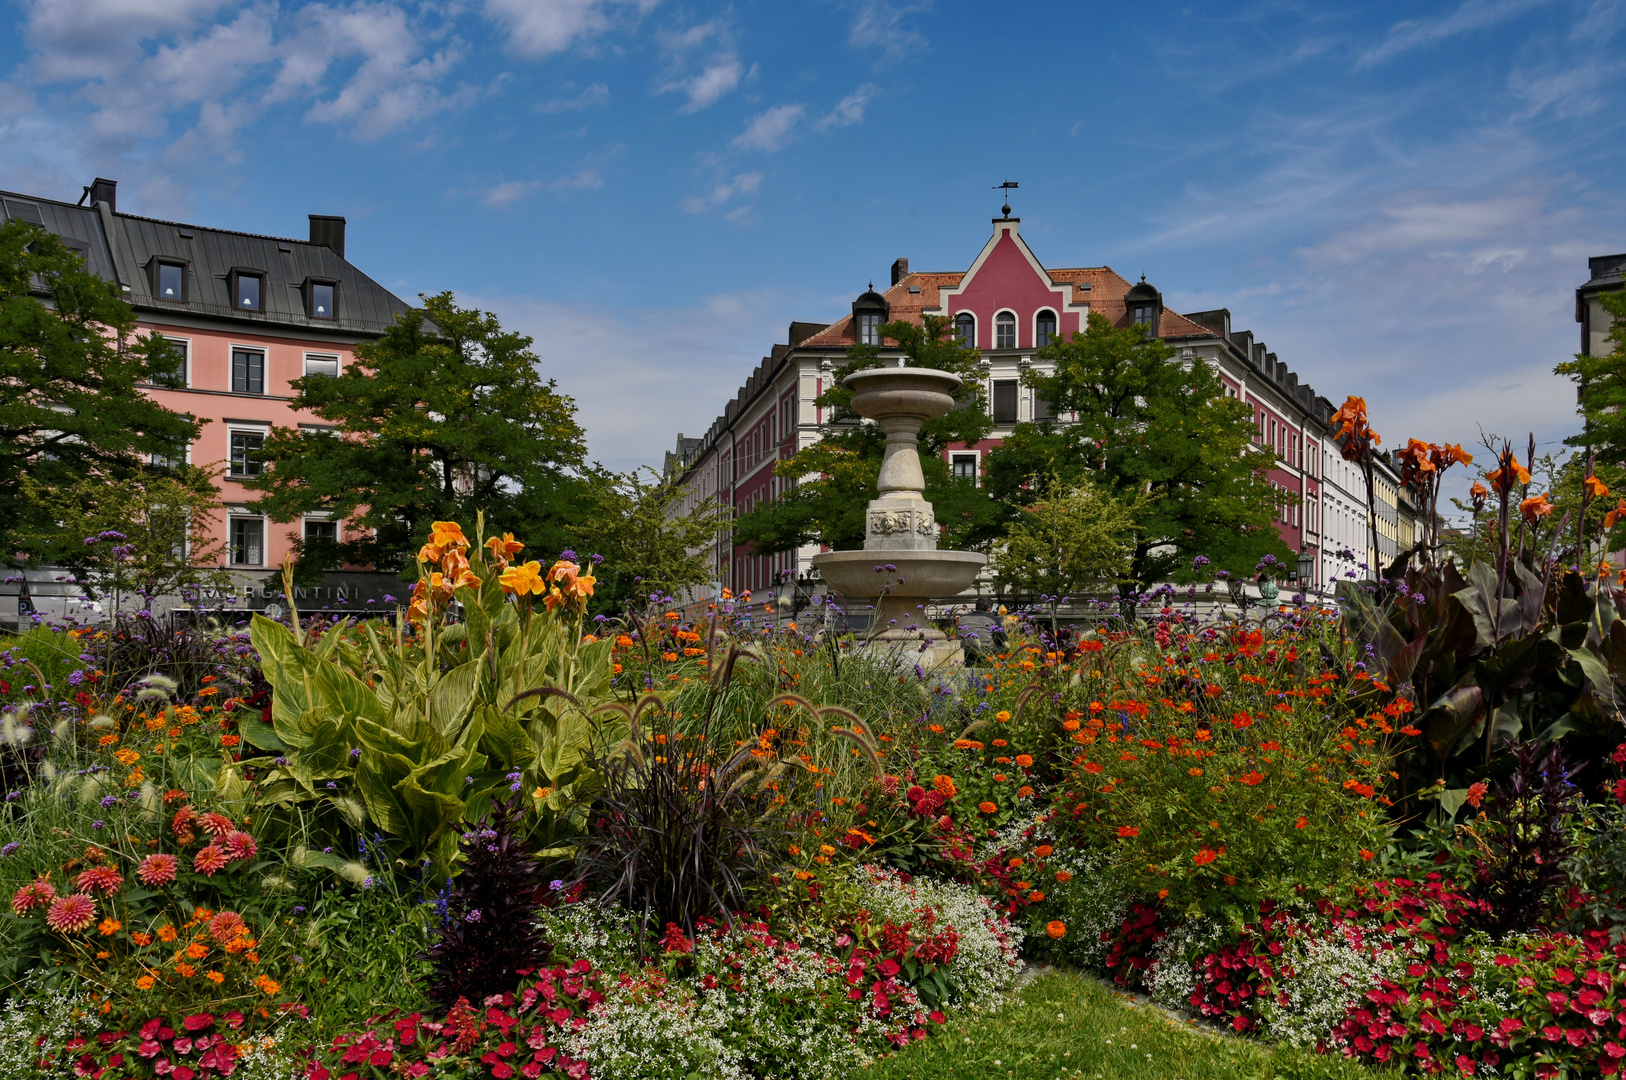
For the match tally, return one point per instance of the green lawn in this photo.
(1067, 1027)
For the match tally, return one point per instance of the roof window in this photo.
(170, 281)
(247, 290)
(321, 299)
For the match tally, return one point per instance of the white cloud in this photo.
(880, 24)
(83, 39)
(394, 85)
(591, 97)
(507, 194)
(742, 184)
(716, 80)
(1471, 15)
(580, 180)
(849, 110)
(716, 76)
(772, 130)
(541, 27)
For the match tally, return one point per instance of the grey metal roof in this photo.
(79, 227)
(123, 247)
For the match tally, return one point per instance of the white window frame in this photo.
(338, 362)
(186, 344)
(242, 427)
(1054, 317)
(1015, 322)
(232, 518)
(973, 316)
(321, 515)
(976, 477)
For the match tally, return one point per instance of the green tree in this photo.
(835, 478)
(1150, 427)
(71, 367)
(1075, 539)
(443, 416)
(649, 540)
(1602, 389)
(140, 536)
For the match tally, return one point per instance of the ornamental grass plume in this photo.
(71, 914)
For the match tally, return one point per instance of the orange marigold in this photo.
(987, 807)
(944, 786)
(1055, 929)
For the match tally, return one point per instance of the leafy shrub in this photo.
(1223, 776)
(488, 931)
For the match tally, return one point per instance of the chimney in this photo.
(900, 270)
(104, 191)
(328, 230)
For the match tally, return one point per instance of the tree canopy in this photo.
(1075, 539)
(649, 540)
(1148, 427)
(443, 416)
(71, 368)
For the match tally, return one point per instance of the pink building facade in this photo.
(250, 314)
(1009, 305)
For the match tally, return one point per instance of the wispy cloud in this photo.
(1418, 33)
(538, 28)
(723, 191)
(591, 97)
(772, 130)
(706, 81)
(849, 110)
(502, 196)
(884, 25)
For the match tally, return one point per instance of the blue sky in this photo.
(1398, 198)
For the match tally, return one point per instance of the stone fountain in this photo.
(900, 569)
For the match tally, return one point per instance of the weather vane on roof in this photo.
(1008, 186)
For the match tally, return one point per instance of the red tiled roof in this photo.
(904, 306)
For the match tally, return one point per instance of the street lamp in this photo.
(1306, 569)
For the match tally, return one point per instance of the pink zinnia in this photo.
(210, 860)
(239, 845)
(227, 926)
(157, 869)
(102, 879)
(33, 895)
(71, 914)
(217, 824)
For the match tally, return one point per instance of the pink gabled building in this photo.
(1009, 305)
(250, 314)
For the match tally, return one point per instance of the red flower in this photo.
(157, 870)
(210, 860)
(1476, 793)
(1252, 779)
(71, 914)
(1128, 830)
(34, 894)
(1204, 857)
(102, 879)
(198, 1021)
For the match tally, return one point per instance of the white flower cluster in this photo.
(28, 1015)
(1173, 974)
(1332, 967)
(775, 1019)
(1013, 838)
(985, 964)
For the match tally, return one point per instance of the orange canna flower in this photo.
(431, 553)
(1415, 461)
(448, 534)
(1508, 473)
(1354, 433)
(523, 580)
(563, 572)
(458, 573)
(1478, 494)
(1448, 454)
(502, 548)
(1595, 488)
(1615, 515)
(1535, 508)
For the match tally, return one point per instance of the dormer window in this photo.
(171, 281)
(870, 313)
(321, 299)
(247, 290)
(1044, 329)
(1145, 305)
(1004, 330)
(869, 329)
(965, 325)
(1143, 314)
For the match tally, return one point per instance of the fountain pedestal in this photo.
(900, 569)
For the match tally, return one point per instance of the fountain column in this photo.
(900, 569)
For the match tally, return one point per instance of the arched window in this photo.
(1004, 330)
(965, 324)
(1044, 329)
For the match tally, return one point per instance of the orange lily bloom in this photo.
(523, 580)
(1535, 508)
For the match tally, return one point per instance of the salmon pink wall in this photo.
(209, 397)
